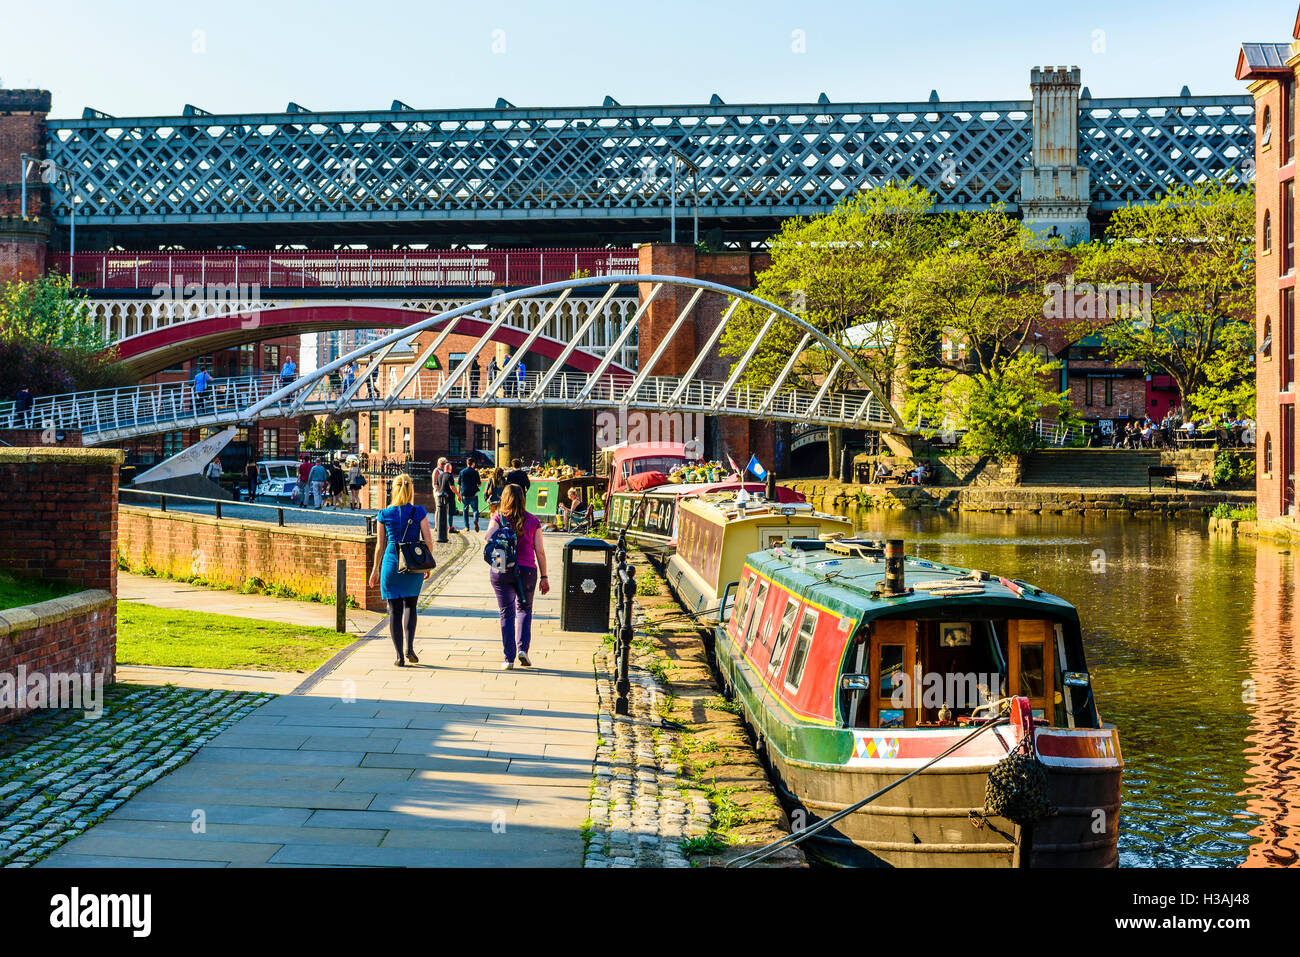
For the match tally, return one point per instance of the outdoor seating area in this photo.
(1172, 433)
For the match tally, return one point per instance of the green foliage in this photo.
(324, 435)
(1240, 513)
(997, 408)
(1196, 250)
(648, 583)
(1229, 467)
(49, 343)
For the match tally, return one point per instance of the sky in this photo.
(149, 58)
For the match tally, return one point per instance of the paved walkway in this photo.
(451, 762)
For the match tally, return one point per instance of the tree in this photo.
(839, 272)
(1192, 255)
(50, 343)
(997, 409)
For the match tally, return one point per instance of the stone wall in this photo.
(959, 470)
(71, 636)
(230, 552)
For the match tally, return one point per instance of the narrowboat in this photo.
(643, 500)
(547, 492)
(855, 666)
(717, 530)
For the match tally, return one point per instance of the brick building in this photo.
(1271, 70)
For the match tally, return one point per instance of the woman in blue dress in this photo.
(402, 521)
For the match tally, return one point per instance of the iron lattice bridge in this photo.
(616, 162)
(848, 395)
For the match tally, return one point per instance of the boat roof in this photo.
(850, 584)
(643, 450)
(723, 504)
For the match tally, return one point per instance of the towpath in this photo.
(449, 762)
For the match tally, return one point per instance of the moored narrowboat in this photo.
(717, 530)
(854, 669)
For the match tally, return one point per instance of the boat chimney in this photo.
(894, 584)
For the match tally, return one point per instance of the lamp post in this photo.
(50, 171)
(679, 156)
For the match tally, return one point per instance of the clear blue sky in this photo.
(151, 57)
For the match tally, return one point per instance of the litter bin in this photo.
(584, 599)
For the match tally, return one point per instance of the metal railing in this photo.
(221, 504)
(313, 269)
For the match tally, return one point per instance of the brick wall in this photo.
(231, 552)
(59, 514)
(74, 635)
(22, 130)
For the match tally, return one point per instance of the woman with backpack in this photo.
(515, 551)
(401, 522)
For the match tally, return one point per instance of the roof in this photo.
(848, 585)
(1259, 61)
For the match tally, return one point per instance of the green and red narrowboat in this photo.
(851, 678)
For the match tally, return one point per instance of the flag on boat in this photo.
(756, 467)
(734, 467)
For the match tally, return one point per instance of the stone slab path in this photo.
(449, 762)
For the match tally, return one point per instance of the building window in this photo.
(1288, 121)
(1266, 346)
(248, 358)
(374, 434)
(1286, 368)
(204, 364)
(1267, 242)
(406, 441)
(1288, 228)
(483, 439)
(392, 440)
(1266, 130)
(456, 432)
(1268, 454)
(270, 443)
(1087, 392)
(270, 358)
(172, 443)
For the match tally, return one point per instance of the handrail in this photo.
(219, 502)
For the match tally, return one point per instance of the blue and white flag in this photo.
(756, 467)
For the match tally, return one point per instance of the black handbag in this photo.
(413, 556)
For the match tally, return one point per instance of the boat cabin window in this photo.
(928, 673)
(783, 635)
(543, 494)
(756, 613)
(799, 656)
(653, 463)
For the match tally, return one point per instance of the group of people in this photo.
(323, 483)
(514, 543)
(1147, 433)
(919, 475)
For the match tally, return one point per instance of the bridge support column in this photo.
(1055, 189)
(24, 234)
(725, 435)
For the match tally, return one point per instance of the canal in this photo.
(1191, 643)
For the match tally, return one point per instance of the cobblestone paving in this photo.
(61, 771)
(642, 809)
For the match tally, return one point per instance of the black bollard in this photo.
(846, 465)
(770, 490)
(625, 589)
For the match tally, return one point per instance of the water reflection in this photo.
(1190, 641)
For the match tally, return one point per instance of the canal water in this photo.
(1191, 641)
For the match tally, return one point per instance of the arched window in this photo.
(1266, 344)
(1268, 453)
(1268, 231)
(1266, 130)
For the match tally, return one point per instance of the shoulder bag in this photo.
(413, 556)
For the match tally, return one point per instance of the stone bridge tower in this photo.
(1054, 189)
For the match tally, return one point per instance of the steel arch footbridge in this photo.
(847, 396)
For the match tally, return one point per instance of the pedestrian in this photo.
(514, 589)
(493, 370)
(304, 481)
(521, 376)
(469, 481)
(356, 482)
(401, 522)
(444, 495)
(349, 376)
(288, 371)
(473, 377)
(495, 486)
(319, 477)
(23, 403)
(250, 476)
(518, 475)
(202, 380)
(337, 482)
(214, 471)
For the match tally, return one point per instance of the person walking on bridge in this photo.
(402, 521)
(202, 390)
